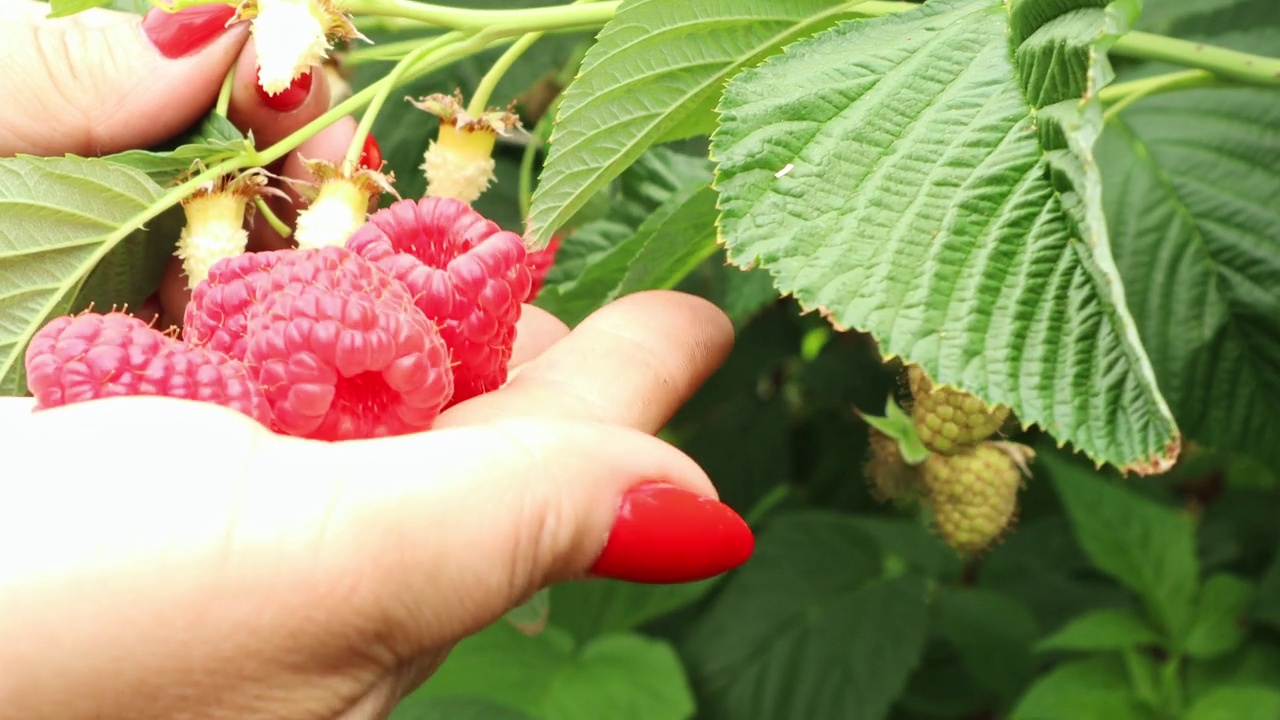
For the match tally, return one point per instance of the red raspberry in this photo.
(539, 263)
(91, 356)
(465, 273)
(337, 345)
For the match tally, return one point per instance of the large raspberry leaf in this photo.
(655, 74)
(927, 177)
(621, 675)
(1192, 198)
(810, 627)
(58, 218)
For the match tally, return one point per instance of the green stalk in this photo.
(1122, 95)
(224, 95)
(525, 20)
(424, 55)
(1242, 67)
(480, 98)
(272, 219)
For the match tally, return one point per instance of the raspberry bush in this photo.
(1006, 396)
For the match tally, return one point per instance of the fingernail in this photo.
(664, 534)
(186, 31)
(371, 154)
(290, 98)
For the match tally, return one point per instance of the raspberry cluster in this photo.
(968, 481)
(416, 312)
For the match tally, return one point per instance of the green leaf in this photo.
(806, 629)
(668, 246)
(1256, 663)
(1145, 546)
(214, 141)
(592, 608)
(1220, 620)
(547, 677)
(644, 187)
(457, 708)
(1191, 197)
(58, 218)
(993, 634)
(1097, 689)
(1237, 702)
(1267, 604)
(911, 177)
(656, 63)
(64, 8)
(1107, 629)
(898, 425)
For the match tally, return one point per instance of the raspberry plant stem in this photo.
(224, 95)
(1223, 62)
(526, 20)
(421, 55)
(272, 219)
(484, 89)
(1125, 94)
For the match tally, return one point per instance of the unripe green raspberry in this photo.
(974, 493)
(890, 475)
(949, 420)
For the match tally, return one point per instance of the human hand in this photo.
(230, 572)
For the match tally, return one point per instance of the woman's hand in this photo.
(223, 571)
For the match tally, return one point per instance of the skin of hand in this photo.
(223, 571)
(230, 572)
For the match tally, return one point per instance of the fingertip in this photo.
(271, 119)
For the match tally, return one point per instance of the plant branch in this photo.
(425, 55)
(1231, 64)
(484, 89)
(224, 95)
(1122, 95)
(525, 20)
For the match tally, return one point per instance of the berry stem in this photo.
(523, 20)
(272, 219)
(1122, 95)
(484, 89)
(1223, 62)
(424, 55)
(224, 95)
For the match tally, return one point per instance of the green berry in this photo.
(974, 493)
(949, 420)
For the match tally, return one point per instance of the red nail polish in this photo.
(664, 534)
(371, 154)
(290, 98)
(186, 31)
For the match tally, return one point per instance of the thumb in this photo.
(102, 81)
(519, 505)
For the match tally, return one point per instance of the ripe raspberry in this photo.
(337, 345)
(974, 493)
(539, 262)
(891, 476)
(464, 272)
(86, 357)
(949, 420)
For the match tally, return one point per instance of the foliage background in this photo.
(1112, 598)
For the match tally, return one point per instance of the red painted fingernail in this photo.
(186, 31)
(288, 99)
(371, 154)
(664, 534)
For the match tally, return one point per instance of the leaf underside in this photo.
(927, 177)
(55, 216)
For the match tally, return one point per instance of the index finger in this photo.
(633, 363)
